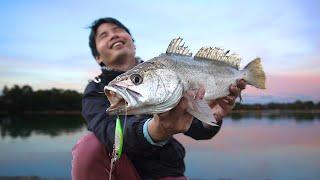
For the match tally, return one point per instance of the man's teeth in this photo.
(117, 44)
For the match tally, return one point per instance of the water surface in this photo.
(249, 146)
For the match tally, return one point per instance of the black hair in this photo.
(95, 25)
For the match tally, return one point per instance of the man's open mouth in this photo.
(117, 44)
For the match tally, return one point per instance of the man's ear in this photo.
(134, 44)
(98, 59)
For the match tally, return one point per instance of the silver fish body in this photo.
(157, 85)
(213, 76)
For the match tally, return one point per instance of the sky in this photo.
(45, 43)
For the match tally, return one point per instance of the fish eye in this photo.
(136, 79)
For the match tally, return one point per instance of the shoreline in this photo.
(277, 111)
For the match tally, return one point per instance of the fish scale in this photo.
(198, 76)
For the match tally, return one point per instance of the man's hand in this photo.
(223, 106)
(178, 120)
(175, 121)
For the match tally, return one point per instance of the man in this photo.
(150, 151)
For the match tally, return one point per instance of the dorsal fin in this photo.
(218, 54)
(177, 48)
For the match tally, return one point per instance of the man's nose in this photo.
(113, 36)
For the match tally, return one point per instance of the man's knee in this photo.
(88, 143)
(89, 152)
(90, 160)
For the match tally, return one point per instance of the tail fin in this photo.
(254, 74)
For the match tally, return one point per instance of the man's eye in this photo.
(136, 79)
(102, 35)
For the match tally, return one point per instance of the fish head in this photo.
(146, 89)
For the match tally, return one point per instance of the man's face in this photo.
(114, 44)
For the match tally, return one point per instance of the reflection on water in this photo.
(39, 145)
(53, 125)
(268, 145)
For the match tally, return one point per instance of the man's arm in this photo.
(200, 131)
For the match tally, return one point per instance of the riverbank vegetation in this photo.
(25, 99)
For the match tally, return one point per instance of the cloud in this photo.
(48, 48)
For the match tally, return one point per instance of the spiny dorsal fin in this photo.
(177, 48)
(218, 54)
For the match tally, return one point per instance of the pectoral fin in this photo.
(201, 110)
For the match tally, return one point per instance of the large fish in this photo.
(157, 85)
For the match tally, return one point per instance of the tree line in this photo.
(23, 98)
(297, 105)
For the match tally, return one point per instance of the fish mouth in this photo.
(121, 99)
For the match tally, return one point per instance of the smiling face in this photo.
(115, 46)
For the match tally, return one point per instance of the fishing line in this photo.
(125, 120)
(116, 153)
(111, 167)
(111, 162)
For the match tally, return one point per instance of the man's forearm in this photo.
(157, 131)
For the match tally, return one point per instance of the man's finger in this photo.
(222, 103)
(200, 94)
(191, 93)
(241, 84)
(177, 111)
(230, 99)
(219, 112)
(213, 103)
(234, 90)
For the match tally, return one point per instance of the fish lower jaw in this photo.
(117, 110)
(116, 101)
(118, 104)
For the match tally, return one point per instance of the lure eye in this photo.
(136, 79)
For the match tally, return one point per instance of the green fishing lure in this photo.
(118, 139)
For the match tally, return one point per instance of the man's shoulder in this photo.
(95, 85)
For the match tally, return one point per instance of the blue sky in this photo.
(45, 43)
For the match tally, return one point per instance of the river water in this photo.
(249, 146)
